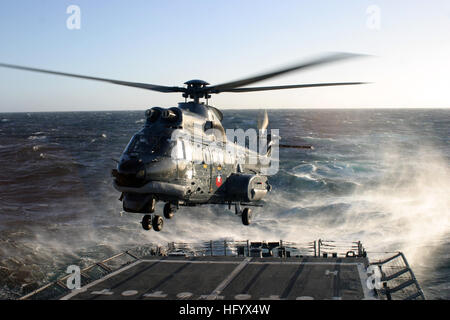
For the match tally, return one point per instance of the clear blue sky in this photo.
(169, 42)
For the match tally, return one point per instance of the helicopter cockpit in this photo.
(144, 144)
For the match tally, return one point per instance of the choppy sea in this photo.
(379, 176)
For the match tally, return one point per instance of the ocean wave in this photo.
(37, 137)
(63, 210)
(318, 138)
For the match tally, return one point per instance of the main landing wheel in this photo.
(146, 222)
(247, 216)
(157, 223)
(169, 211)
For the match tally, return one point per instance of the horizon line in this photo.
(248, 108)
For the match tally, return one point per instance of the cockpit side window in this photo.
(145, 144)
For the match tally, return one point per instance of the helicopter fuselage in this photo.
(180, 157)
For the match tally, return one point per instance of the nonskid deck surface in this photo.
(232, 278)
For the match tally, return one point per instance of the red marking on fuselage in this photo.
(219, 181)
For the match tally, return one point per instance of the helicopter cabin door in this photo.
(201, 171)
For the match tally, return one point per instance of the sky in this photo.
(170, 42)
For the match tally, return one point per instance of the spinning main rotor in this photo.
(196, 89)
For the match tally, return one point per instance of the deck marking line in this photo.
(230, 277)
(156, 294)
(106, 292)
(184, 295)
(129, 293)
(271, 297)
(292, 281)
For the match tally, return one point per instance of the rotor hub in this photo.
(196, 90)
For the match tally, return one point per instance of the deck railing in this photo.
(397, 279)
(319, 248)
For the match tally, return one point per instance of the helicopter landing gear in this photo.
(146, 222)
(157, 223)
(247, 216)
(151, 205)
(169, 210)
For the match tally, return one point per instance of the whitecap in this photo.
(318, 138)
(310, 167)
(37, 137)
(306, 176)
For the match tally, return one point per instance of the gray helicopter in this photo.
(159, 165)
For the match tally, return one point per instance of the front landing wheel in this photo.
(157, 223)
(146, 222)
(247, 216)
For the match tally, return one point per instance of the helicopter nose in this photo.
(130, 166)
(130, 173)
(162, 170)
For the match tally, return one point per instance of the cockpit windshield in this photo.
(146, 145)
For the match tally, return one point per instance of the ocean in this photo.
(380, 176)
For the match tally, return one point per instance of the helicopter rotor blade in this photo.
(119, 82)
(299, 66)
(295, 86)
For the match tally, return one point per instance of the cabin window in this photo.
(178, 150)
(206, 155)
(207, 126)
(217, 155)
(188, 152)
(197, 151)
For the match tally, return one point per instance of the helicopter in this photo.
(160, 164)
